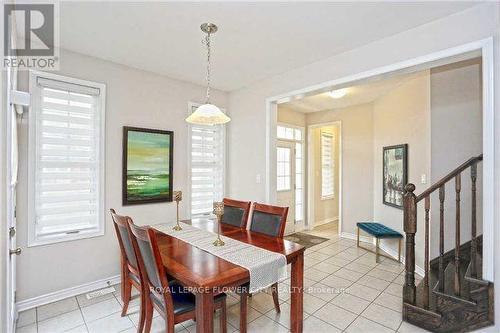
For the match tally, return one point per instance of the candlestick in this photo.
(177, 198)
(218, 211)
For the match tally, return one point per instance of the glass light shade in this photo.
(208, 114)
(339, 93)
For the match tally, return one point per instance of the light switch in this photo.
(423, 178)
(258, 178)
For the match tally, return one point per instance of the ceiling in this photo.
(255, 40)
(358, 94)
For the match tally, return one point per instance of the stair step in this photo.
(449, 280)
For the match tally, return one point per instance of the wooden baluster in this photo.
(426, 262)
(441, 238)
(410, 228)
(473, 249)
(458, 186)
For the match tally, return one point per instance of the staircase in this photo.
(452, 296)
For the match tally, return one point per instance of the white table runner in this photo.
(265, 267)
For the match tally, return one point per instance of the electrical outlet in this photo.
(423, 178)
(258, 178)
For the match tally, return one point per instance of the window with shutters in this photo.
(327, 166)
(66, 159)
(207, 166)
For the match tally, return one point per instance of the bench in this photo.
(379, 231)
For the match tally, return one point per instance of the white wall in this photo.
(357, 161)
(134, 98)
(402, 116)
(456, 136)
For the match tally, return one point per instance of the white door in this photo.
(285, 181)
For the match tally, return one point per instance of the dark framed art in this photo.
(395, 174)
(147, 165)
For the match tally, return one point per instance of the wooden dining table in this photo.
(206, 274)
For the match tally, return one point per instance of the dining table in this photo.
(205, 274)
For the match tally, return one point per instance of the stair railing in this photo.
(410, 201)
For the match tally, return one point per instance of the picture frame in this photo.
(395, 174)
(147, 165)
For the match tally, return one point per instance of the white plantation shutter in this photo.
(207, 153)
(67, 144)
(327, 165)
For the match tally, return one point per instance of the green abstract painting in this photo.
(147, 174)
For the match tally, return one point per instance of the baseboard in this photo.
(65, 293)
(390, 251)
(325, 221)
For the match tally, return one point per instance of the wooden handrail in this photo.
(449, 177)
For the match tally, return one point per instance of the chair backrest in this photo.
(126, 248)
(236, 212)
(153, 276)
(269, 220)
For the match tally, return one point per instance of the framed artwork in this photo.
(147, 165)
(395, 177)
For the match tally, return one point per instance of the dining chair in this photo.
(270, 221)
(169, 298)
(236, 212)
(129, 268)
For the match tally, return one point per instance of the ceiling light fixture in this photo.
(208, 114)
(339, 93)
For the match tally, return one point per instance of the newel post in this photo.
(410, 228)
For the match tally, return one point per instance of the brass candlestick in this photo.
(218, 211)
(177, 198)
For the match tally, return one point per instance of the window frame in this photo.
(332, 160)
(35, 239)
(192, 105)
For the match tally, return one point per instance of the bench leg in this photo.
(358, 236)
(399, 250)
(376, 250)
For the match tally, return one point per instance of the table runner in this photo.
(265, 267)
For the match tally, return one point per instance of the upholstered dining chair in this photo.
(169, 298)
(236, 212)
(129, 268)
(268, 220)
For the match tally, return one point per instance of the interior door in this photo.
(285, 185)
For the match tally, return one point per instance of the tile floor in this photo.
(347, 292)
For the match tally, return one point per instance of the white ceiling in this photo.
(358, 94)
(255, 40)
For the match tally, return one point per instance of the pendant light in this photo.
(208, 114)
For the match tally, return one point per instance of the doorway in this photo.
(324, 175)
(290, 174)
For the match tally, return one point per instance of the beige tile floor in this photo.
(347, 292)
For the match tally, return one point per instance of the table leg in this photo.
(204, 312)
(297, 294)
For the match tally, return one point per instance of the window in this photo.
(66, 165)
(284, 166)
(327, 166)
(207, 163)
(288, 133)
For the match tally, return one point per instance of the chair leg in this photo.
(142, 313)
(274, 290)
(376, 250)
(358, 238)
(223, 317)
(148, 315)
(243, 311)
(126, 295)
